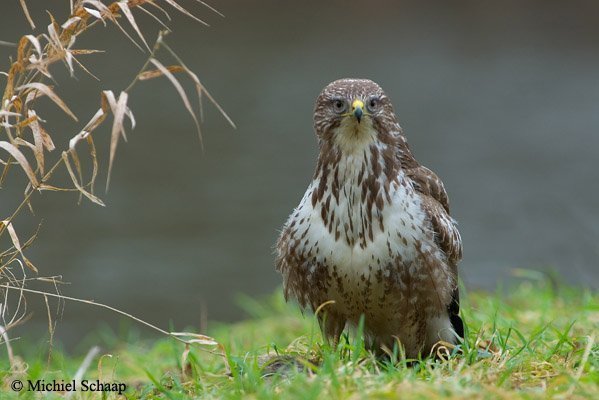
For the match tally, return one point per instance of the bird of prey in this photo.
(373, 231)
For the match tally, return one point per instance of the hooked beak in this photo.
(356, 108)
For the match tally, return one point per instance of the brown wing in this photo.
(435, 201)
(446, 232)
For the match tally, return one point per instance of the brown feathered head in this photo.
(353, 110)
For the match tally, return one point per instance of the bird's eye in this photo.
(339, 106)
(372, 104)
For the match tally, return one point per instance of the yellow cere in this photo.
(357, 103)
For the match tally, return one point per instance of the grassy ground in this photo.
(534, 340)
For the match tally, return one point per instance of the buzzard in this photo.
(373, 231)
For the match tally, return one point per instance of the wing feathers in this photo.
(436, 204)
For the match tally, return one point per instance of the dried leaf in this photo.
(96, 120)
(51, 188)
(199, 87)
(21, 51)
(106, 12)
(71, 52)
(182, 10)
(9, 86)
(210, 8)
(92, 153)
(155, 73)
(47, 139)
(94, 13)
(90, 196)
(157, 6)
(103, 8)
(155, 17)
(32, 95)
(48, 92)
(54, 36)
(181, 92)
(202, 89)
(38, 140)
(125, 8)
(26, 11)
(42, 63)
(70, 22)
(85, 51)
(4, 113)
(36, 44)
(22, 142)
(131, 117)
(184, 357)
(56, 41)
(33, 118)
(191, 337)
(68, 57)
(85, 133)
(25, 122)
(75, 157)
(119, 111)
(17, 155)
(17, 244)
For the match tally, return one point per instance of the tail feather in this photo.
(454, 313)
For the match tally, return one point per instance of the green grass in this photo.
(534, 340)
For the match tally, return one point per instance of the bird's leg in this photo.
(331, 325)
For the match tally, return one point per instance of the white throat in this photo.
(353, 137)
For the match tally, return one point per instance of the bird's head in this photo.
(352, 113)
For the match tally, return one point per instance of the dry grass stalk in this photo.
(23, 137)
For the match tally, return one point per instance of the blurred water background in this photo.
(500, 98)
